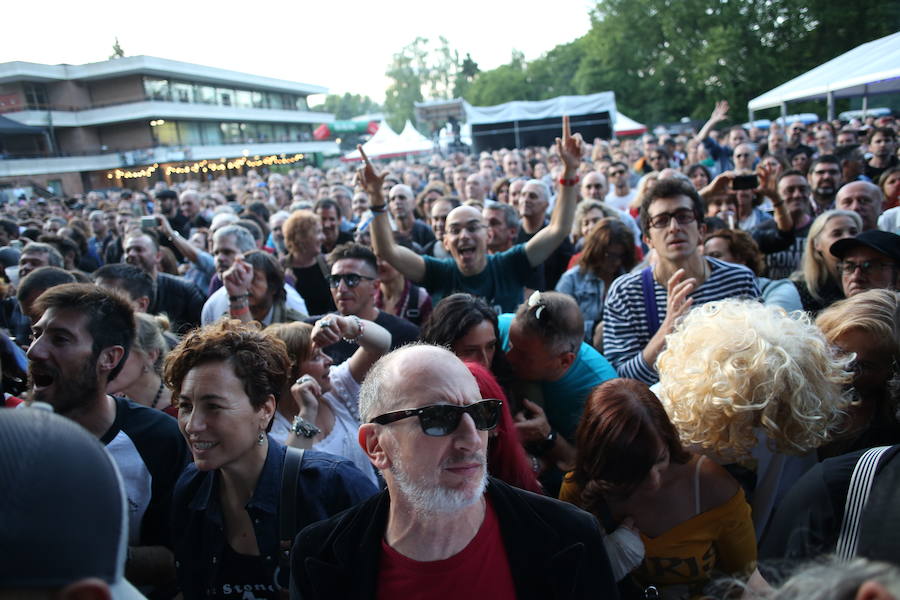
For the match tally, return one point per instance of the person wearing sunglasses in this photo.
(500, 278)
(869, 261)
(643, 306)
(442, 524)
(620, 194)
(354, 283)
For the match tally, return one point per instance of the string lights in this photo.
(206, 166)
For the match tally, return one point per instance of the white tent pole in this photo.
(784, 114)
(516, 127)
(830, 105)
(865, 101)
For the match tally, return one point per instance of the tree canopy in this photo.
(347, 106)
(664, 59)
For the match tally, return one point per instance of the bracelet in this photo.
(240, 310)
(544, 446)
(305, 429)
(359, 330)
(238, 297)
(569, 182)
(378, 209)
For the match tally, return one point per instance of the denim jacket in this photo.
(589, 292)
(326, 486)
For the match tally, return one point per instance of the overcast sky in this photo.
(344, 45)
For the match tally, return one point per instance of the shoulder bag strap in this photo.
(650, 300)
(287, 508)
(857, 496)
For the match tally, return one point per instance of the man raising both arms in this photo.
(499, 278)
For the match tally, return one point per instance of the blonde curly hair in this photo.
(733, 366)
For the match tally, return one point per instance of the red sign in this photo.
(10, 102)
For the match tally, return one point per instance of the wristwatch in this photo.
(305, 429)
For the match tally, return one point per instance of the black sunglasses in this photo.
(443, 419)
(352, 279)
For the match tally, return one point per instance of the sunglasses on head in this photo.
(352, 279)
(443, 419)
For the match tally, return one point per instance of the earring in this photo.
(261, 439)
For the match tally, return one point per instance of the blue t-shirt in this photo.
(564, 399)
(500, 283)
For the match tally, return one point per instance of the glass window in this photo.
(243, 99)
(204, 94)
(275, 101)
(182, 92)
(301, 104)
(259, 100)
(189, 133)
(225, 96)
(156, 89)
(212, 133)
(36, 95)
(251, 132)
(279, 132)
(167, 134)
(231, 133)
(265, 132)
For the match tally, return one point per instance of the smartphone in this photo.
(745, 182)
(148, 223)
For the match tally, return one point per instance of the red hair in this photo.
(506, 457)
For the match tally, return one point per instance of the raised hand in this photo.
(720, 112)
(368, 178)
(570, 147)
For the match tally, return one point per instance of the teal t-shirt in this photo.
(564, 399)
(500, 283)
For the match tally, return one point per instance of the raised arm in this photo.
(410, 264)
(185, 247)
(373, 339)
(541, 246)
(719, 114)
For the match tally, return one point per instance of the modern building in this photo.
(120, 122)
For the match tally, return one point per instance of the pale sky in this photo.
(344, 45)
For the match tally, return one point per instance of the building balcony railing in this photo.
(42, 106)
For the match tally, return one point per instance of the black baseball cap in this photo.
(881, 241)
(63, 511)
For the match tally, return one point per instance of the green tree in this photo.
(347, 106)
(117, 51)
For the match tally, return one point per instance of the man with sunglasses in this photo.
(868, 261)
(443, 527)
(620, 194)
(353, 282)
(499, 278)
(643, 307)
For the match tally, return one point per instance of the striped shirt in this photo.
(625, 328)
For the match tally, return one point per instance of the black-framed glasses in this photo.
(443, 419)
(617, 172)
(848, 267)
(351, 279)
(682, 217)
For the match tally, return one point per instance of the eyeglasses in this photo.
(442, 419)
(682, 217)
(351, 279)
(847, 267)
(473, 227)
(617, 172)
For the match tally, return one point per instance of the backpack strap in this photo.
(287, 511)
(650, 300)
(857, 496)
(412, 302)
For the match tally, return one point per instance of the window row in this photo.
(193, 93)
(205, 133)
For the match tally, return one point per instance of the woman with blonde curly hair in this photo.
(818, 280)
(304, 265)
(867, 327)
(750, 384)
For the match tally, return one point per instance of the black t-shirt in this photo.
(310, 284)
(242, 576)
(548, 275)
(402, 332)
(874, 173)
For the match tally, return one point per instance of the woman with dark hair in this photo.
(500, 190)
(699, 175)
(506, 457)
(630, 468)
(226, 379)
(608, 252)
(468, 327)
(255, 285)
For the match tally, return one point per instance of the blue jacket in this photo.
(326, 486)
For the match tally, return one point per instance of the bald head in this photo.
(864, 199)
(593, 186)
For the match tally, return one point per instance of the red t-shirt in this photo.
(480, 570)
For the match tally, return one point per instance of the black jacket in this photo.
(180, 300)
(555, 550)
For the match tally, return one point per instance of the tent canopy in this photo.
(388, 144)
(626, 126)
(872, 68)
(537, 123)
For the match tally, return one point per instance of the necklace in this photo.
(158, 394)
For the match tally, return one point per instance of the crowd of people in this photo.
(626, 368)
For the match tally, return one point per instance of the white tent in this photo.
(626, 126)
(387, 144)
(872, 68)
